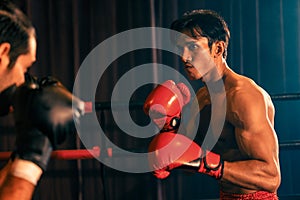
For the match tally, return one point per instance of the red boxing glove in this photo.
(164, 105)
(170, 151)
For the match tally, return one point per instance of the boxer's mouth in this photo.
(188, 65)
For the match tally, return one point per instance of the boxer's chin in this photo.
(191, 75)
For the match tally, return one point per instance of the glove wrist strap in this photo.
(212, 165)
(26, 170)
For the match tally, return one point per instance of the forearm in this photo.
(4, 172)
(14, 188)
(252, 175)
(20, 178)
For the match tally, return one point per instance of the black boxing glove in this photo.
(7, 95)
(31, 155)
(32, 145)
(33, 148)
(47, 106)
(6, 98)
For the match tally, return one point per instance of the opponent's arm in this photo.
(44, 114)
(257, 140)
(28, 161)
(16, 189)
(49, 107)
(30, 156)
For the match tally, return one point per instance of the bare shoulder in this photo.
(244, 87)
(247, 100)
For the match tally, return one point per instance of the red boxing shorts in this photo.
(252, 196)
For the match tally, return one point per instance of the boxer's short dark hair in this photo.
(203, 23)
(15, 29)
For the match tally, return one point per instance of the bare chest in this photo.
(225, 141)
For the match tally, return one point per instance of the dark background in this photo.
(264, 46)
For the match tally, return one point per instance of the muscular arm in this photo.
(14, 188)
(257, 140)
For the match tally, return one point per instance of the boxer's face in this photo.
(15, 74)
(196, 56)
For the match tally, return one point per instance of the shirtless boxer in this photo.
(244, 159)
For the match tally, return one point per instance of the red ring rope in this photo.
(65, 154)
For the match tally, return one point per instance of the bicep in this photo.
(256, 137)
(258, 143)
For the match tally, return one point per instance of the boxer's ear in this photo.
(4, 55)
(218, 48)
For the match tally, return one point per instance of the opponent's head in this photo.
(17, 44)
(17, 47)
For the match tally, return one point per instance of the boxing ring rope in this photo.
(138, 105)
(65, 154)
(286, 145)
(289, 145)
(284, 97)
(78, 154)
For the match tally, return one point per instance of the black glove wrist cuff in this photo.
(34, 147)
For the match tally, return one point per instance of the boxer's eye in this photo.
(192, 46)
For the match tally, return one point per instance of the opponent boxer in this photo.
(244, 159)
(42, 108)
